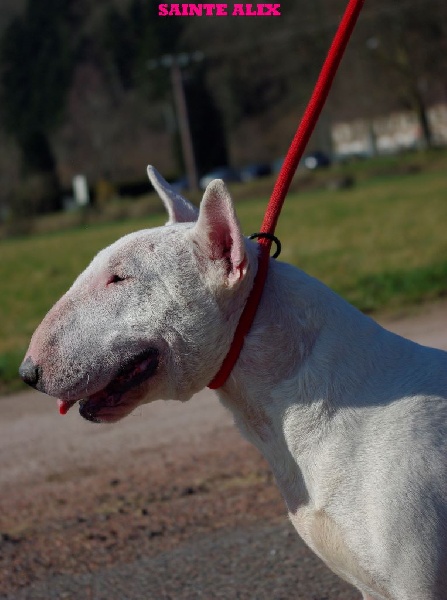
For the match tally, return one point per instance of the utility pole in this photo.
(175, 63)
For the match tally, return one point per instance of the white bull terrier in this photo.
(351, 418)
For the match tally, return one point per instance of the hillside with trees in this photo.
(84, 89)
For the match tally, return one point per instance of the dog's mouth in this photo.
(129, 377)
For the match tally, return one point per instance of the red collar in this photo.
(283, 182)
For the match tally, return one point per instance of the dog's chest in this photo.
(326, 539)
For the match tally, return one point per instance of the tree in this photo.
(206, 121)
(410, 46)
(37, 58)
(133, 38)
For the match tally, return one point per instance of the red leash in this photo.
(284, 180)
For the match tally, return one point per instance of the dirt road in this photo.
(168, 504)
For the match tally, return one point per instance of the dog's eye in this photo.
(115, 279)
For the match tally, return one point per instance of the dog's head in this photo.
(152, 316)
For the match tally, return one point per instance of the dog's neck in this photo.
(289, 383)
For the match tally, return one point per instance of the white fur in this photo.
(351, 418)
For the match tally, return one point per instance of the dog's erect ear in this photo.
(218, 233)
(179, 209)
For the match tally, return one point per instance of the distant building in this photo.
(387, 134)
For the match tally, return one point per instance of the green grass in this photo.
(381, 244)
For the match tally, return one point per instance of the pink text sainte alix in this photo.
(219, 10)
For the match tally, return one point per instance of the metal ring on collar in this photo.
(268, 236)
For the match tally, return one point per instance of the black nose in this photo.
(29, 372)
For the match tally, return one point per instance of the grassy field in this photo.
(381, 244)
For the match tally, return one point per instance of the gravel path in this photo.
(170, 503)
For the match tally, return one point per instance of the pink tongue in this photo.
(64, 406)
